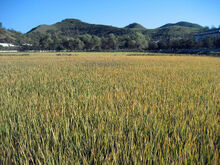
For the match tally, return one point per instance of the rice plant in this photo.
(109, 108)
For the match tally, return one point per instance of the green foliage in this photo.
(190, 43)
(136, 26)
(11, 36)
(73, 28)
(73, 34)
(184, 24)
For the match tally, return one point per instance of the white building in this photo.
(208, 33)
(26, 44)
(7, 45)
(8, 51)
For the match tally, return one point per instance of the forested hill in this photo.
(75, 27)
(135, 26)
(12, 36)
(73, 34)
(183, 24)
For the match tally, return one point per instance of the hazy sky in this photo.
(23, 15)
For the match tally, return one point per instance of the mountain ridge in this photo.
(183, 24)
(74, 27)
(78, 27)
(135, 26)
(70, 28)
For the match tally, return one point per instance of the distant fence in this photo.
(202, 51)
(208, 52)
(8, 51)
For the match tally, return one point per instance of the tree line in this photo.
(190, 43)
(87, 42)
(135, 41)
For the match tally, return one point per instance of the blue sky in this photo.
(23, 15)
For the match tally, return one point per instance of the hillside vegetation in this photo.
(183, 24)
(73, 27)
(135, 26)
(12, 36)
(75, 35)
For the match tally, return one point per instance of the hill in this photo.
(11, 36)
(172, 32)
(71, 32)
(73, 27)
(135, 26)
(183, 24)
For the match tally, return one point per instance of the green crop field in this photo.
(109, 108)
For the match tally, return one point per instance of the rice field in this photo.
(109, 108)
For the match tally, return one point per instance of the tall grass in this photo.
(104, 109)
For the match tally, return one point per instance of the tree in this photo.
(217, 42)
(131, 44)
(123, 41)
(141, 41)
(174, 44)
(87, 40)
(0, 25)
(104, 43)
(162, 45)
(206, 27)
(96, 43)
(112, 41)
(138, 41)
(153, 45)
(56, 41)
(71, 44)
(207, 42)
(46, 42)
(213, 27)
(78, 44)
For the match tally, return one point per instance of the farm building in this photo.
(7, 45)
(208, 33)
